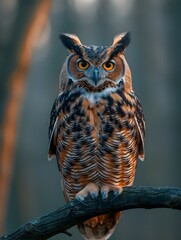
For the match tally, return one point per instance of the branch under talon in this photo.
(73, 213)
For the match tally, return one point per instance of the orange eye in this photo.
(82, 64)
(109, 65)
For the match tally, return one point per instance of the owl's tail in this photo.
(100, 227)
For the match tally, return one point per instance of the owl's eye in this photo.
(109, 65)
(82, 64)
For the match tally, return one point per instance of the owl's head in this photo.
(97, 67)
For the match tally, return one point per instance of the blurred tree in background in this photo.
(31, 56)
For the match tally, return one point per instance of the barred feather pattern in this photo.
(96, 142)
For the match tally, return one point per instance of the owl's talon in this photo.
(79, 198)
(91, 189)
(94, 194)
(104, 194)
(106, 189)
(83, 203)
(117, 192)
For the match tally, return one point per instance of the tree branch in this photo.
(74, 212)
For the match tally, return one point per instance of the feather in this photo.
(140, 122)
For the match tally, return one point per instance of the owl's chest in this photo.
(94, 118)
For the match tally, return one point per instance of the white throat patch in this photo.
(93, 97)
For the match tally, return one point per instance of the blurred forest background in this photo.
(31, 57)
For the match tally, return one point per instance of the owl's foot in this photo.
(91, 189)
(107, 188)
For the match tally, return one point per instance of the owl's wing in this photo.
(140, 122)
(56, 108)
(53, 127)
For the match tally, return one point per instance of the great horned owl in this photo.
(97, 126)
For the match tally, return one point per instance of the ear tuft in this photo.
(126, 36)
(120, 42)
(71, 41)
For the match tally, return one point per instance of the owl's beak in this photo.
(95, 76)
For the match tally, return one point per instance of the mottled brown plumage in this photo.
(96, 126)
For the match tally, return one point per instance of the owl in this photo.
(97, 127)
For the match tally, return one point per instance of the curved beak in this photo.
(96, 76)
